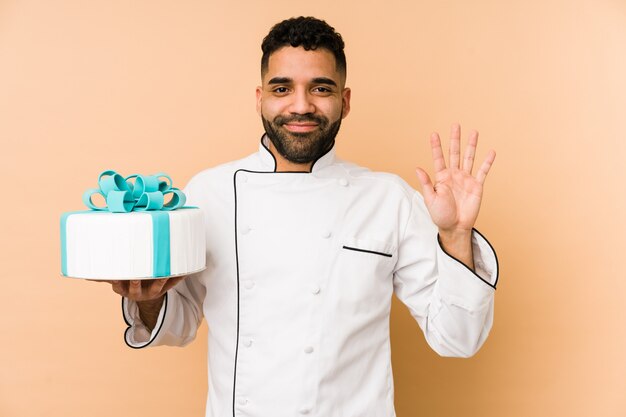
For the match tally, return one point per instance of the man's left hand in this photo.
(454, 200)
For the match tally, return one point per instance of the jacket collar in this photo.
(269, 161)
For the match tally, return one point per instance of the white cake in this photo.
(135, 245)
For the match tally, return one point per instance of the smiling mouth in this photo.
(300, 127)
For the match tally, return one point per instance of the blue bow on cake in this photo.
(147, 192)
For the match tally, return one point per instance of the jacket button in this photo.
(326, 234)
(308, 349)
(242, 401)
(343, 182)
(245, 230)
(248, 343)
(249, 284)
(315, 289)
(305, 410)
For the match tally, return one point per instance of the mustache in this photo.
(300, 118)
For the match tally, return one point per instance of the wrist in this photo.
(455, 235)
(149, 311)
(458, 244)
(154, 304)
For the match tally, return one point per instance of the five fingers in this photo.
(454, 153)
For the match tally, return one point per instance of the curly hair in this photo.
(308, 32)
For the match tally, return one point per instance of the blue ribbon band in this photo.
(160, 243)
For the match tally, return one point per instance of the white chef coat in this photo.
(297, 292)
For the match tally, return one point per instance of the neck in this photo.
(283, 165)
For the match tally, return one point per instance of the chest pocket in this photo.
(363, 272)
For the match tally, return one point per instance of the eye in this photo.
(280, 90)
(321, 89)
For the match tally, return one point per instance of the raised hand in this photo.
(453, 201)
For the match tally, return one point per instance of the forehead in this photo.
(300, 64)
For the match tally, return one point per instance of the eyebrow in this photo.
(280, 80)
(324, 80)
(316, 80)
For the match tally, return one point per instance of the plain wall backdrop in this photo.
(147, 86)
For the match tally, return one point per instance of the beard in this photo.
(301, 147)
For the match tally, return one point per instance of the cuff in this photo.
(137, 335)
(462, 286)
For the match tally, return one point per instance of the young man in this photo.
(304, 252)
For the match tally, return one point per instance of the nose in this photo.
(301, 103)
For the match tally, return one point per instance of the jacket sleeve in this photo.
(181, 313)
(178, 321)
(452, 304)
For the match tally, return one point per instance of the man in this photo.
(304, 252)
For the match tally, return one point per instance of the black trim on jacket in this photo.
(470, 269)
(130, 326)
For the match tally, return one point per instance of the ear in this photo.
(345, 101)
(259, 99)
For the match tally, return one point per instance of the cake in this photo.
(136, 236)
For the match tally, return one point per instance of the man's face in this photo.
(301, 102)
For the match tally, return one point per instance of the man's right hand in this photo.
(145, 290)
(148, 293)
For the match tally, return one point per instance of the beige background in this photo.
(144, 86)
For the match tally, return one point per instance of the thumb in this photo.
(427, 185)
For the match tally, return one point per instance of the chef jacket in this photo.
(301, 269)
